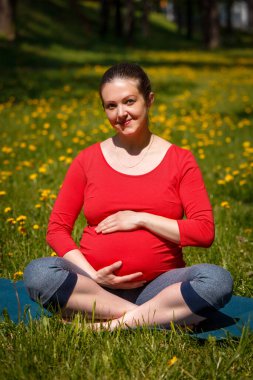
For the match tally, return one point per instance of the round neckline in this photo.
(134, 175)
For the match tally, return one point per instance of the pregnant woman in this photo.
(144, 199)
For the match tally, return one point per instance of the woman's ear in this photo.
(151, 99)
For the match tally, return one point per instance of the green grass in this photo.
(49, 111)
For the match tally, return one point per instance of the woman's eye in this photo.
(130, 101)
(110, 106)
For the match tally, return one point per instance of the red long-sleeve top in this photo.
(173, 189)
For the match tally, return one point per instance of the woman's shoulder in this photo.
(88, 151)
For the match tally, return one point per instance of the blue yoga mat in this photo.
(228, 321)
(16, 304)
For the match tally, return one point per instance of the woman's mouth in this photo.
(124, 123)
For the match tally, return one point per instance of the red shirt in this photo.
(173, 189)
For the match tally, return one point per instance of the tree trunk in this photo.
(189, 19)
(104, 17)
(210, 23)
(74, 5)
(229, 4)
(250, 10)
(118, 18)
(179, 15)
(7, 19)
(145, 15)
(129, 24)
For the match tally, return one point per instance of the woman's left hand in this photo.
(120, 221)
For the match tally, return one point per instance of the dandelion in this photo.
(17, 275)
(21, 230)
(38, 205)
(2, 193)
(42, 169)
(36, 227)
(172, 361)
(21, 218)
(32, 147)
(225, 204)
(53, 254)
(11, 221)
(33, 176)
(228, 178)
(7, 209)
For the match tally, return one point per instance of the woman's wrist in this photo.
(143, 220)
(77, 258)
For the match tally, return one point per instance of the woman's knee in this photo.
(42, 277)
(215, 285)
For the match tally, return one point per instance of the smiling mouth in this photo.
(124, 123)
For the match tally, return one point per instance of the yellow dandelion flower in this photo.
(33, 176)
(68, 160)
(172, 361)
(2, 192)
(38, 205)
(42, 169)
(248, 230)
(17, 275)
(32, 147)
(21, 218)
(7, 209)
(242, 182)
(225, 204)
(221, 182)
(53, 254)
(11, 221)
(36, 227)
(229, 178)
(246, 144)
(21, 230)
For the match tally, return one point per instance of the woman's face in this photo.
(125, 106)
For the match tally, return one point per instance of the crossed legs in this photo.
(184, 296)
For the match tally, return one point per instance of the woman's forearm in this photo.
(76, 257)
(161, 226)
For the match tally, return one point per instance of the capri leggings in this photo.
(205, 287)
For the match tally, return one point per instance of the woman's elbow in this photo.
(208, 235)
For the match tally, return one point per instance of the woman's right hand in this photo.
(106, 277)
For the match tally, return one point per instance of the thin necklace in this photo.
(142, 158)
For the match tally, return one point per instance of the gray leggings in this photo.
(205, 287)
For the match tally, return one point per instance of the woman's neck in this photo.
(133, 144)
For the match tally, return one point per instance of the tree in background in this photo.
(210, 23)
(7, 19)
(250, 9)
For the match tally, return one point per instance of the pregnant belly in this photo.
(139, 251)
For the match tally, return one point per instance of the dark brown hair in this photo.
(126, 70)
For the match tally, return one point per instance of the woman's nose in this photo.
(121, 112)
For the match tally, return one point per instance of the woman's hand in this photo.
(106, 277)
(120, 221)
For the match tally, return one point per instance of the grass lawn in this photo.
(49, 111)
